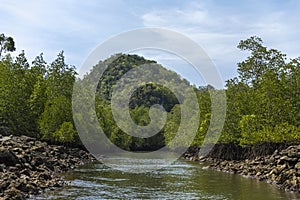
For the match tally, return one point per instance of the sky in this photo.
(78, 27)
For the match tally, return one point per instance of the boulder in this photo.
(286, 159)
(297, 166)
(8, 157)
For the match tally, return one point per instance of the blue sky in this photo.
(77, 27)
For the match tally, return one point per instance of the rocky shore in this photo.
(29, 166)
(282, 168)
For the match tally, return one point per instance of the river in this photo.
(181, 180)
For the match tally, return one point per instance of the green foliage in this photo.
(172, 126)
(118, 65)
(54, 93)
(283, 132)
(249, 126)
(202, 131)
(140, 102)
(7, 44)
(286, 132)
(263, 102)
(15, 91)
(56, 112)
(65, 133)
(260, 61)
(151, 94)
(35, 99)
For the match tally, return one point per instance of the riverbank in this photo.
(280, 168)
(28, 166)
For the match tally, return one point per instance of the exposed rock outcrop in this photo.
(29, 166)
(282, 168)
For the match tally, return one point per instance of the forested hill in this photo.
(263, 102)
(140, 102)
(119, 65)
(146, 95)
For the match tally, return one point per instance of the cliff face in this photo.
(28, 166)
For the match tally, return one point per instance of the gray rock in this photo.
(297, 166)
(27, 166)
(8, 157)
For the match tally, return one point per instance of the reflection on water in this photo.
(181, 180)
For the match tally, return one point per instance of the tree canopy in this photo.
(263, 101)
(7, 44)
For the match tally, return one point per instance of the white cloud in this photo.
(79, 26)
(218, 30)
(51, 26)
